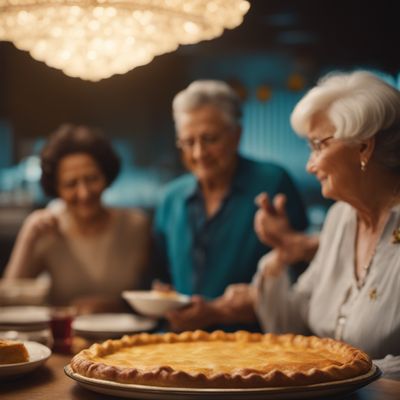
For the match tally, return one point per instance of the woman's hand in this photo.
(39, 223)
(271, 222)
(272, 227)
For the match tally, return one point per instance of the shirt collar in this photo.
(241, 177)
(192, 189)
(239, 181)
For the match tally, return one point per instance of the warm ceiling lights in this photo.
(94, 39)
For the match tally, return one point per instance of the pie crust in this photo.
(221, 360)
(12, 352)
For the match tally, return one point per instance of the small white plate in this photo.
(111, 325)
(38, 354)
(24, 315)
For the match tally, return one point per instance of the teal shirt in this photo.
(203, 256)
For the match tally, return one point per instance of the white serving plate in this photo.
(132, 391)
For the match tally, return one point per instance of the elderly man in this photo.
(204, 223)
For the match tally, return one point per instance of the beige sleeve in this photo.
(26, 260)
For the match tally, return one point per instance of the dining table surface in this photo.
(49, 382)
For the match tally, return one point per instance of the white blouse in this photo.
(326, 300)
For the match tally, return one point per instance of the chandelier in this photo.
(95, 39)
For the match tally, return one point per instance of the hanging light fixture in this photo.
(95, 39)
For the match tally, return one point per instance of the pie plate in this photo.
(132, 391)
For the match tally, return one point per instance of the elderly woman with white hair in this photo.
(204, 223)
(351, 289)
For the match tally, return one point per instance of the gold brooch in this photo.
(396, 235)
(373, 294)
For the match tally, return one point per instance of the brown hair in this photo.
(71, 139)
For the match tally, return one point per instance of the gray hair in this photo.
(208, 92)
(360, 106)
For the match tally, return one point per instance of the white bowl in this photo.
(154, 303)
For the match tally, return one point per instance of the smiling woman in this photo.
(352, 121)
(78, 239)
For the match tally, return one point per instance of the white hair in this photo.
(360, 106)
(208, 92)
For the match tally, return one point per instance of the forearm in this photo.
(310, 246)
(278, 307)
(21, 256)
(299, 247)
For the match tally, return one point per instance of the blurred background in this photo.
(279, 51)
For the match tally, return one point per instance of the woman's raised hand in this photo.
(271, 222)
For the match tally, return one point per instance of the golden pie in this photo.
(12, 352)
(221, 360)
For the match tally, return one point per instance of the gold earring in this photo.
(363, 165)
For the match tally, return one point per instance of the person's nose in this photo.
(83, 191)
(310, 166)
(198, 149)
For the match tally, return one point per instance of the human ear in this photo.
(366, 149)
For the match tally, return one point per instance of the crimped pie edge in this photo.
(165, 376)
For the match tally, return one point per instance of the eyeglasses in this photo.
(316, 145)
(207, 140)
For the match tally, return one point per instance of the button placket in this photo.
(344, 311)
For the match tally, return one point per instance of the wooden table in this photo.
(50, 383)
